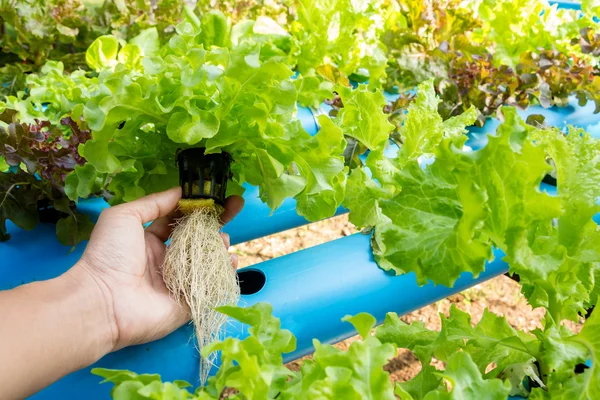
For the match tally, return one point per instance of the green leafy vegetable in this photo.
(254, 366)
(559, 260)
(493, 53)
(254, 369)
(441, 220)
(362, 117)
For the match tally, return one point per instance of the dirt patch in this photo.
(292, 240)
(500, 295)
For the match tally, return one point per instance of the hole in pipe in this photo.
(550, 180)
(251, 281)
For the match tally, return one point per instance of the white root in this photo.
(197, 269)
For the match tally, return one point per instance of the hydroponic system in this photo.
(461, 137)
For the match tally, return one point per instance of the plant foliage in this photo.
(253, 366)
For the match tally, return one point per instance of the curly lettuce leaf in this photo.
(565, 361)
(362, 116)
(254, 366)
(363, 197)
(342, 34)
(444, 218)
(353, 374)
(313, 91)
(558, 262)
(423, 129)
(467, 382)
(426, 381)
(492, 340)
(320, 160)
(431, 226)
(536, 25)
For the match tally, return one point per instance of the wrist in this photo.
(95, 300)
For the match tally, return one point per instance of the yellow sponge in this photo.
(186, 206)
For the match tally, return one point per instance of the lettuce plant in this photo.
(145, 101)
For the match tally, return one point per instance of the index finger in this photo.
(233, 205)
(163, 226)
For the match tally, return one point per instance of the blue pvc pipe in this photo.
(572, 5)
(560, 117)
(310, 290)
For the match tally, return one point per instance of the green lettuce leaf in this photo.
(564, 352)
(441, 220)
(558, 261)
(253, 366)
(467, 382)
(432, 224)
(491, 342)
(362, 116)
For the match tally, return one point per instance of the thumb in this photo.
(151, 207)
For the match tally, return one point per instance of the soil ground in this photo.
(500, 295)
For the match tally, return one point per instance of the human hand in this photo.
(123, 261)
